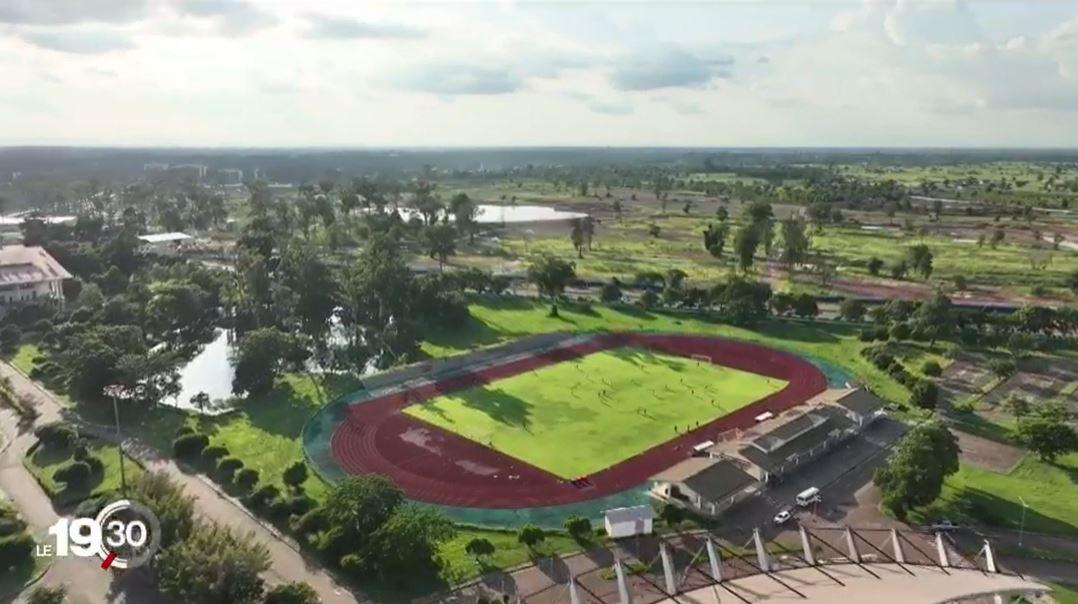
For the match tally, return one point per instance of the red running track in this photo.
(436, 466)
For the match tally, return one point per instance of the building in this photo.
(167, 244)
(719, 475)
(627, 522)
(29, 273)
(706, 485)
(230, 176)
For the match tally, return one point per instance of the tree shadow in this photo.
(471, 333)
(975, 505)
(501, 407)
(284, 409)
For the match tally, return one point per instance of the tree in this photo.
(745, 244)
(804, 306)
(200, 401)
(654, 230)
(212, 566)
(1002, 368)
(920, 259)
(578, 527)
(852, 309)
(998, 235)
(925, 394)
(292, 593)
(899, 269)
(577, 237)
(795, 243)
(551, 274)
(465, 212)
(715, 238)
(441, 242)
(312, 289)
(530, 535)
(610, 292)
(742, 302)
(672, 514)
(260, 357)
(1048, 431)
(478, 548)
(407, 544)
(874, 266)
(357, 506)
(913, 474)
(1017, 406)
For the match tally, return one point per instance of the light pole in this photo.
(1022, 527)
(115, 391)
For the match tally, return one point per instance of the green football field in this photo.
(580, 416)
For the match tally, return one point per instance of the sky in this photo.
(341, 73)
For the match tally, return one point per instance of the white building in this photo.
(29, 273)
(626, 522)
(167, 244)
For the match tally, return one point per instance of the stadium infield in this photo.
(375, 434)
(610, 405)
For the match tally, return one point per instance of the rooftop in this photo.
(711, 478)
(861, 402)
(164, 237)
(797, 437)
(21, 264)
(630, 514)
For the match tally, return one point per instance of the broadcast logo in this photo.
(125, 534)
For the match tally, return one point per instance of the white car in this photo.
(943, 526)
(782, 517)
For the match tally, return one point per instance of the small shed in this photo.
(627, 522)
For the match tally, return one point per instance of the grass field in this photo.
(44, 462)
(978, 495)
(611, 405)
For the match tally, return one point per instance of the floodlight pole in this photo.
(1022, 526)
(119, 438)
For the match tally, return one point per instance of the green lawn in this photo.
(23, 358)
(43, 463)
(610, 405)
(1065, 594)
(508, 552)
(984, 496)
(265, 431)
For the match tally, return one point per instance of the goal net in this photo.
(701, 358)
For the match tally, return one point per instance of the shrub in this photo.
(96, 465)
(227, 468)
(530, 535)
(76, 475)
(57, 434)
(313, 521)
(264, 494)
(292, 593)
(300, 504)
(185, 430)
(188, 446)
(900, 331)
(213, 453)
(578, 527)
(352, 564)
(931, 368)
(15, 549)
(924, 394)
(246, 478)
(80, 453)
(295, 474)
(90, 507)
(42, 326)
(280, 509)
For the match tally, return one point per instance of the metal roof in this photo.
(164, 237)
(20, 264)
(630, 514)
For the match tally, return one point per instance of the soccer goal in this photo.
(701, 358)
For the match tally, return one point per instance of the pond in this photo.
(493, 214)
(209, 371)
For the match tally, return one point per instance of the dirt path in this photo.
(287, 563)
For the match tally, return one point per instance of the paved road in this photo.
(287, 563)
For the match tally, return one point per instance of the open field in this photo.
(979, 495)
(612, 405)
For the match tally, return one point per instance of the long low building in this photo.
(719, 475)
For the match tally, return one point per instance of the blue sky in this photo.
(736, 73)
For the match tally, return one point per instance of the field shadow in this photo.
(469, 334)
(984, 507)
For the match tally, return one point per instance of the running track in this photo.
(436, 466)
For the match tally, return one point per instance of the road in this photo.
(287, 563)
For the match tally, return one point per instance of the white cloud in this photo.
(88, 42)
(343, 28)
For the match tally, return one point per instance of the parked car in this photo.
(943, 526)
(783, 517)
